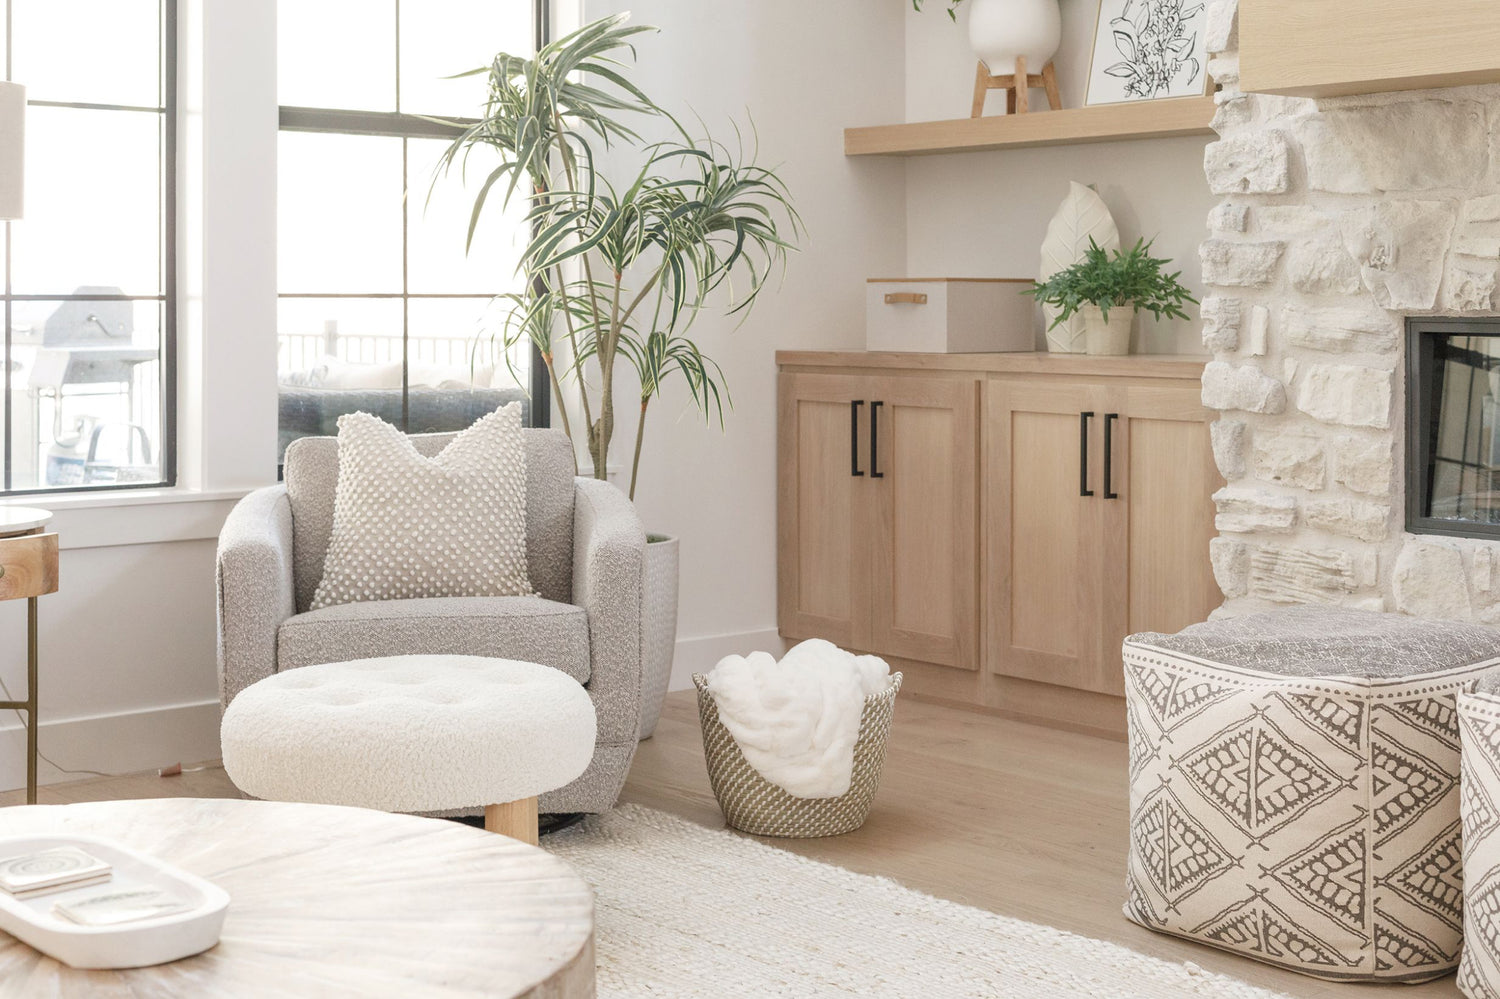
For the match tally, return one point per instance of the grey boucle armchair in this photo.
(585, 553)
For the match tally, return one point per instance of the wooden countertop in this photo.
(1138, 365)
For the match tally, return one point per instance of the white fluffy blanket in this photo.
(797, 721)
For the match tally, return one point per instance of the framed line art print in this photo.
(1146, 50)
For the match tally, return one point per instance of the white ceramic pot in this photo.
(660, 611)
(1112, 336)
(1000, 30)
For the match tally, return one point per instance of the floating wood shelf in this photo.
(1335, 48)
(1108, 123)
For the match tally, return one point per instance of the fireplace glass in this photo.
(1453, 428)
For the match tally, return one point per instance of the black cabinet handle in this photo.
(1083, 454)
(1109, 454)
(875, 439)
(854, 437)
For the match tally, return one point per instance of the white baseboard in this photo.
(126, 742)
(698, 655)
(132, 741)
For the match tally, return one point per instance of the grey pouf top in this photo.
(1333, 641)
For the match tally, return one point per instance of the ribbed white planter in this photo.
(660, 611)
(1111, 336)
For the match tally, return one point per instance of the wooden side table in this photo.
(28, 568)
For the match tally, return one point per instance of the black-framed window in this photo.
(1453, 427)
(89, 292)
(381, 308)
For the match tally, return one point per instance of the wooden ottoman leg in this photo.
(516, 819)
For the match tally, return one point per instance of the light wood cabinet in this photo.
(878, 514)
(995, 524)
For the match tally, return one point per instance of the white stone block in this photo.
(1400, 247)
(1291, 220)
(1339, 330)
(1221, 28)
(1250, 162)
(1484, 209)
(1480, 246)
(1231, 562)
(1416, 145)
(1254, 512)
(1289, 458)
(1428, 581)
(1470, 290)
(1259, 327)
(1365, 466)
(1228, 437)
(1321, 266)
(1229, 217)
(1240, 265)
(1346, 394)
(1349, 518)
(1228, 387)
(1233, 111)
(1302, 576)
(1221, 323)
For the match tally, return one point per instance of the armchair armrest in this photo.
(609, 560)
(254, 574)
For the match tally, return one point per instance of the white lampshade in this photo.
(12, 147)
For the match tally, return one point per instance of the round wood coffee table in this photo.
(331, 901)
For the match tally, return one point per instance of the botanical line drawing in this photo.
(1153, 37)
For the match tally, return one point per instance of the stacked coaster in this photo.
(46, 871)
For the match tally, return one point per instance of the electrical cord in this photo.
(171, 771)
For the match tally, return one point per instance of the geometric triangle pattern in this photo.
(1338, 718)
(1405, 783)
(1311, 822)
(1172, 698)
(1433, 878)
(1257, 776)
(1257, 926)
(1479, 970)
(1177, 854)
(1329, 875)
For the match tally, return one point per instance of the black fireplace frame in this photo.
(1421, 334)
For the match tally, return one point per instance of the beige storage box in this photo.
(950, 315)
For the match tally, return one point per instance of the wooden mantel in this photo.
(1334, 48)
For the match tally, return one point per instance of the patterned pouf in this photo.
(1294, 788)
(1479, 720)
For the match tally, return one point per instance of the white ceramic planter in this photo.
(660, 611)
(1000, 30)
(1111, 337)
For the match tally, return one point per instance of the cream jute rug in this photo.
(683, 911)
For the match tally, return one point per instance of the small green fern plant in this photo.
(1128, 278)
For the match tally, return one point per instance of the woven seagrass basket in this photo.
(754, 805)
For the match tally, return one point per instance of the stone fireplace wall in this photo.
(1337, 219)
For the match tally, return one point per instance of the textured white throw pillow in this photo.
(407, 526)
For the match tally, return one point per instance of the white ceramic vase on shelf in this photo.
(1000, 30)
(1110, 337)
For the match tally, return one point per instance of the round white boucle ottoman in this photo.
(413, 734)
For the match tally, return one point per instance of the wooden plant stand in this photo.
(1016, 86)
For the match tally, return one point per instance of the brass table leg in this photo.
(31, 671)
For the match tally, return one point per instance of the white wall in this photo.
(128, 679)
(985, 214)
(803, 71)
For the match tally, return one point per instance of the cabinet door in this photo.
(924, 472)
(822, 452)
(1047, 572)
(1158, 530)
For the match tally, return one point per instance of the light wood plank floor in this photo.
(1018, 819)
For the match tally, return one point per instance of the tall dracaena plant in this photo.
(620, 269)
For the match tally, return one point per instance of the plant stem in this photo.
(606, 355)
(640, 434)
(562, 405)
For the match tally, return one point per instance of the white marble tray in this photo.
(126, 945)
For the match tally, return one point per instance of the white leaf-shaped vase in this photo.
(1082, 216)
